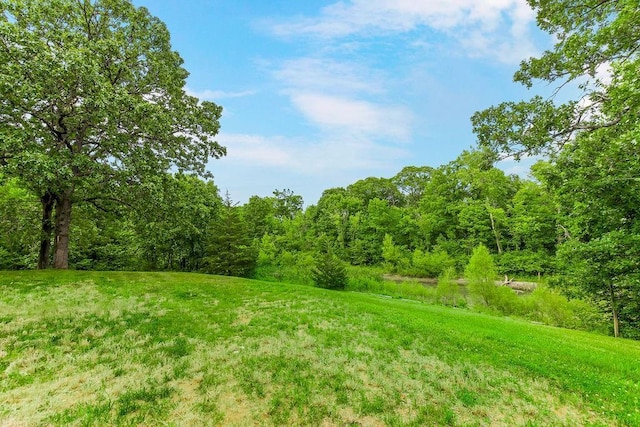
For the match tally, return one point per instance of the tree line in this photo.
(422, 222)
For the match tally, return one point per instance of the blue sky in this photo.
(320, 93)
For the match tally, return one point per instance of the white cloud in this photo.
(214, 95)
(257, 149)
(507, 50)
(340, 98)
(329, 155)
(327, 75)
(354, 117)
(604, 73)
(521, 167)
(341, 19)
(499, 27)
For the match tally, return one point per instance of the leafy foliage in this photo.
(18, 226)
(172, 218)
(592, 139)
(481, 274)
(92, 102)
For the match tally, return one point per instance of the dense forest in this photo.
(103, 166)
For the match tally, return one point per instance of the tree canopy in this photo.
(596, 53)
(592, 140)
(92, 101)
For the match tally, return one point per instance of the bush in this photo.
(505, 300)
(329, 272)
(549, 306)
(481, 274)
(430, 264)
(365, 279)
(448, 291)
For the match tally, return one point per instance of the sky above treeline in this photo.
(320, 93)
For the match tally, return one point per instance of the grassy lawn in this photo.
(94, 348)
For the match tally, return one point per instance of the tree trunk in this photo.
(494, 229)
(48, 202)
(614, 311)
(63, 224)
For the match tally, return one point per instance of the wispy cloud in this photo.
(216, 95)
(258, 150)
(343, 98)
(494, 28)
(329, 155)
(354, 117)
(315, 73)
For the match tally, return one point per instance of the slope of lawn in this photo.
(94, 348)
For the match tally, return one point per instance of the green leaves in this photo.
(598, 49)
(100, 79)
(592, 140)
(525, 128)
(91, 94)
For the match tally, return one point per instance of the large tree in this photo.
(92, 101)
(592, 140)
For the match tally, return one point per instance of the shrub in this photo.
(329, 272)
(505, 300)
(365, 279)
(448, 291)
(430, 264)
(481, 274)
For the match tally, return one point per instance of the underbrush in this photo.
(287, 268)
(544, 305)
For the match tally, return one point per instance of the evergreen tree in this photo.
(230, 249)
(329, 271)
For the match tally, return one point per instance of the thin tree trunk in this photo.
(48, 202)
(614, 310)
(63, 225)
(493, 228)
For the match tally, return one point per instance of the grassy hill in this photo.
(94, 348)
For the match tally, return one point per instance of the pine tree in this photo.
(329, 271)
(230, 250)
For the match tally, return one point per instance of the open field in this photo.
(94, 348)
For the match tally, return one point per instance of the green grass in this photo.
(94, 348)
